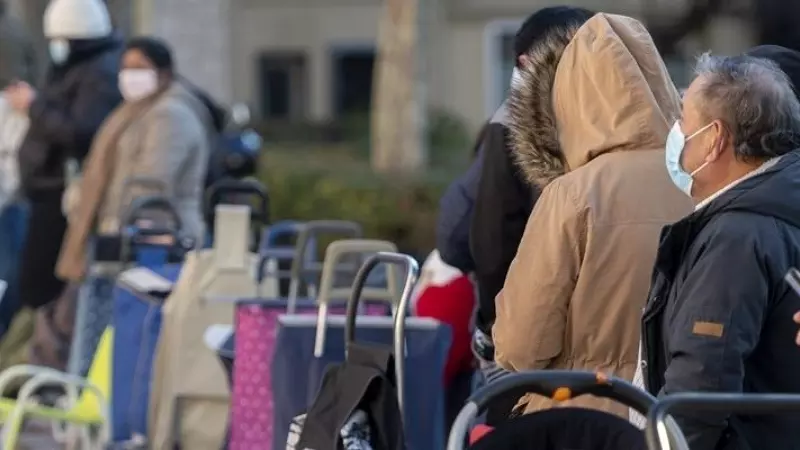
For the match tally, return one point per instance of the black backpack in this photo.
(234, 154)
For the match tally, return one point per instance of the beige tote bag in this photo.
(190, 396)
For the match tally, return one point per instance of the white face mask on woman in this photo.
(136, 84)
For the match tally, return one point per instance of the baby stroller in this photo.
(557, 428)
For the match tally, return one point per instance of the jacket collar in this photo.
(676, 238)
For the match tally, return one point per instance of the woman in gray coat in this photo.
(163, 130)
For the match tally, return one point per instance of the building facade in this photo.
(313, 59)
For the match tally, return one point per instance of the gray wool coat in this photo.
(170, 142)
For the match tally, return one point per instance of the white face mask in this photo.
(676, 143)
(59, 51)
(136, 84)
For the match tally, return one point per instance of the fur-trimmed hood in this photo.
(590, 90)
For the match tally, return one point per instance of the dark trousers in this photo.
(46, 227)
(13, 221)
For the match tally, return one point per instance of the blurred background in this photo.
(368, 108)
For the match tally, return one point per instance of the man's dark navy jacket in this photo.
(483, 217)
(719, 316)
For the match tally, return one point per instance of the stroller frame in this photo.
(560, 385)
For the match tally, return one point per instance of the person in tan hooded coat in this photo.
(589, 124)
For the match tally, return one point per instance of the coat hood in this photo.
(588, 91)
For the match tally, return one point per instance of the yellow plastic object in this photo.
(99, 375)
(90, 409)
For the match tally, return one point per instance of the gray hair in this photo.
(754, 98)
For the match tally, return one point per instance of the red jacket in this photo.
(452, 303)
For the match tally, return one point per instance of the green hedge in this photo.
(335, 183)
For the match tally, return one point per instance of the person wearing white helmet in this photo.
(79, 91)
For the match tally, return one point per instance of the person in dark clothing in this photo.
(79, 92)
(17, 63)
(455, 213)
(789, 61)
(719, 314)
(504, 199)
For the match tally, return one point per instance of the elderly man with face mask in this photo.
(719, 315)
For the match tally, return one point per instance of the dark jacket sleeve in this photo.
(455, 215)
(716, 324)
(73, 124)
(502, 206)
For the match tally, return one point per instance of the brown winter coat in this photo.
(591, 127)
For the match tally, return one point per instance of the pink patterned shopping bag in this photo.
(251, 400)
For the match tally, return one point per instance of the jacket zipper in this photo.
(655, 307)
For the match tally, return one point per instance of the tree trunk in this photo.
(398, 106)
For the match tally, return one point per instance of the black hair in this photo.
(160, 54)
(156, 50)
(540, 23)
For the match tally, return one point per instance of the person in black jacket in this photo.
(719, 314)
(79, 92)
(504, 199)
(455, 213)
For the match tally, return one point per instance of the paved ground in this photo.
(37, 437)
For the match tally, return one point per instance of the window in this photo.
(498, 61)
(352, 70)
(283, 85)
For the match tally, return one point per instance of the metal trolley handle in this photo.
(661, 436)
(270, 249)
(412, 273)
(250, 188)
(139, 207)
(310, 233)
(152, 203)
(559, 385)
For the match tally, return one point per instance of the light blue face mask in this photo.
(676, 142)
